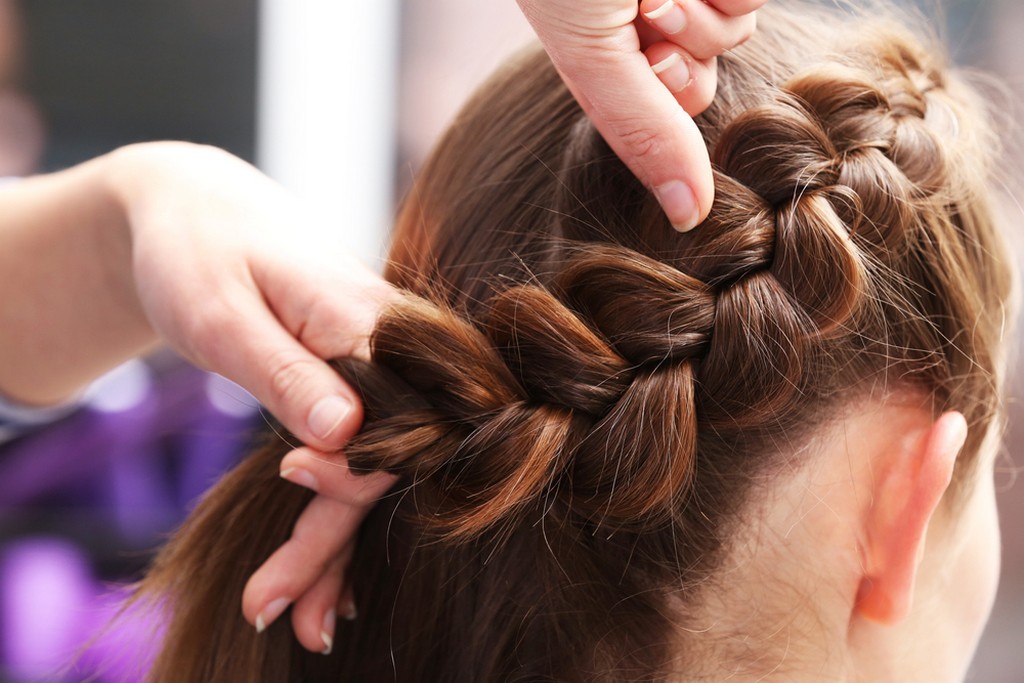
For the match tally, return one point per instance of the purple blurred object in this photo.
(126, 405)
(119, 436)
(124, 648)
(118, 413)
(221, 429)
(57, 622)
(116, 475)
(46, 588)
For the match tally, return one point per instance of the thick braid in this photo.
(526, 404)
(549, 394)
(817, 192)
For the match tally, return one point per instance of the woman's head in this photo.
(628, 453)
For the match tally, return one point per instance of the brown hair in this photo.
(579, 400)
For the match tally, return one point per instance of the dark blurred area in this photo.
(105, 73)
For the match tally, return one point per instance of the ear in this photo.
(909, 482)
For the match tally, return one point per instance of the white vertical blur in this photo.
(325, 124)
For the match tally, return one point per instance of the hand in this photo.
(307, 573)
(641, 73)
(230, 273)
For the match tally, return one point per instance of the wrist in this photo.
(133, 174)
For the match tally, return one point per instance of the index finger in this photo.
(642, 122)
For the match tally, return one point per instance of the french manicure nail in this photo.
(327, 631)
(673, 72)
(679, 203)
(351, 613)
(271, 612)
(669, 17)
(301, 477)
(327, 414)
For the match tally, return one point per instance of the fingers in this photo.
(324, 529)
(309, 569)
(644, 125)
(315, 613)
(331, 477)
(327, 308)
(692, 82)
(299, 388)
(596, 48)
(698, 27)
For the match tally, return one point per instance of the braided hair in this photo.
(581, 403)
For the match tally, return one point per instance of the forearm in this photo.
(69, 308)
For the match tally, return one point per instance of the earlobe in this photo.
(908, 485)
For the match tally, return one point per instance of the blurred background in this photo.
(340, 101)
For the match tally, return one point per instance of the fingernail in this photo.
(679, 203)
(271, 612)
(351, 613)
(327, 414)
(301, 477)
(669, 18)
(327, 631)
(673, 72)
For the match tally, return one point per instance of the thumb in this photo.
(641, 121)
(299, 388)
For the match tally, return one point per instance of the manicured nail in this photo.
(351, 613)
(271, 612)
(673, 72)
(327, 631)
(301, 477)
(679, 203)
(327, 414)
(669, 18)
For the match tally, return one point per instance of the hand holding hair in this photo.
(599, 48)
(631, 67)
(266, 307)
(191, 245)
(194, 246)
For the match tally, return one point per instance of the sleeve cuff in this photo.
(16, 418)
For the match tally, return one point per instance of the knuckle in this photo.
(641, 141)
(380, 484)
(705, 92)
(701, 93)
(287, 372)
(365, 491)
(363, 499)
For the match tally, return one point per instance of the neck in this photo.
(779, 607)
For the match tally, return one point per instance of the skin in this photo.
(854, 565)
(604, 48)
